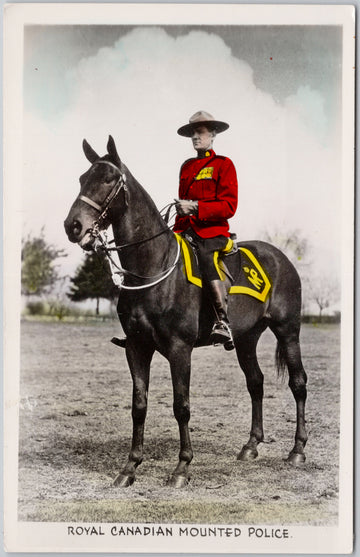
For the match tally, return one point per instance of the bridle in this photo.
(117, 271)
(110, 198)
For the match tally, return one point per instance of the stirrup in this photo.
(221, 334)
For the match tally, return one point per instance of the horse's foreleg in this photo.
(246, 353)
(139, 359)
(180, 364)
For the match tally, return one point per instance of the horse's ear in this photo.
(111, 148)
(89, 152)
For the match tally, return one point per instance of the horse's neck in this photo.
(141, 221)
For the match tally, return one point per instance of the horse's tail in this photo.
(280, 360)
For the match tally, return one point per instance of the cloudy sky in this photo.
(279, 88)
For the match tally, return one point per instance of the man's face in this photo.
(202, 138)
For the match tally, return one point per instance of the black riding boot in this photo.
(221, 332)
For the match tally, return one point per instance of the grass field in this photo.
(75, 431)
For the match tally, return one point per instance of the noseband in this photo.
(104, 208)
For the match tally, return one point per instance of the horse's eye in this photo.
(108, 180)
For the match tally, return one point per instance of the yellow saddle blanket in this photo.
(252, 280)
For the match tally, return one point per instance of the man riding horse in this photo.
(207, 199)
(168, 319)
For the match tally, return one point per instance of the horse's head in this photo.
(99, 193)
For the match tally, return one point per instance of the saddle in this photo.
(240, 264)
(230, 249)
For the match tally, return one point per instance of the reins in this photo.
(118, 272)
(130, 244)
(138, 242)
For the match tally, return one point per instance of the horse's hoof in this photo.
(296, 459)
(177, 481)
(247, 454)
(123, 481)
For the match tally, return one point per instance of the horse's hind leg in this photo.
(246, 353)
(139, 359)
(289, 354)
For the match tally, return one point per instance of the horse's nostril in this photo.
(73, 229)
(76, 227)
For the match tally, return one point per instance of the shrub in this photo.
(59, 310)
(36, 308)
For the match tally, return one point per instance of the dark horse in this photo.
(160, 310)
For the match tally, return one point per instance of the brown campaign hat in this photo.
(202, 118)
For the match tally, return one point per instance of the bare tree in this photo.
(324, 293)
(291, 242)
(297, 248)
(315, 288)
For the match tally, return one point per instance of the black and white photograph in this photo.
(178, 278)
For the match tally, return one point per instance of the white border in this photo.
(37, 537)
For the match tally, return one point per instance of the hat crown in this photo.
(201, 116)
(205, 118)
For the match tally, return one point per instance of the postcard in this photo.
(178, 278)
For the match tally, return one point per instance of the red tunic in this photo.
(212, 182)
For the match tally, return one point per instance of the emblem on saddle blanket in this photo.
(252, 279)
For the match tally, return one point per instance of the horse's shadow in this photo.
(106, 456)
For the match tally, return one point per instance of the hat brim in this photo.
(215, 125)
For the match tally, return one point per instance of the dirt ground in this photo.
(75, 431)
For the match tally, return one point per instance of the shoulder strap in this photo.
(184, 163)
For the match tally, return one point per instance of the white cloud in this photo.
(309, 106)
(147, 86)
